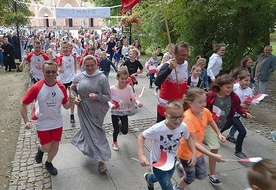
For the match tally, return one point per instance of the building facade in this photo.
(45, 15)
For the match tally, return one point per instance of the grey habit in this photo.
(91, 139)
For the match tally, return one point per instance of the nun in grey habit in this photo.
(92, 92)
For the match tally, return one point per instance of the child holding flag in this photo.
(121, 97)
(196, 118)
(165, 137)
(221, 95)
(242, 89)
(152, 65)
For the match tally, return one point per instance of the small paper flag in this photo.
(216, 113)
(254, 159)
(166, 161)
(141, 92)
(255, 100)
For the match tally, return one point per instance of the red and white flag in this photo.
(255, 100)
(253, 159)
(127, 5)
(116, 101)
(141, 92)
(166, 161)
(216, 113)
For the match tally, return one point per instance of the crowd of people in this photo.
(198, 105)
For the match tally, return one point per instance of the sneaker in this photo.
(51, 169)
(240, 155)
(72, 118)
(231, 139)
(39, 155)
(214, 181)
(115, 146)
(150, 185)
(178, 169)
(150, 87)
(176, 187)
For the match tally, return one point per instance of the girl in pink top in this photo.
(121, 98)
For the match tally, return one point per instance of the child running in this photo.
(165, 136)
(221, 97)
(196, 118)
(152, 65)
(121, 97)
(243, 90)
(262, 175)
(194, 80)
(203, 76)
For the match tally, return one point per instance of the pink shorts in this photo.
(46, 137)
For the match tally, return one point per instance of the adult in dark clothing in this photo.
(9, 36)
(16, 45)
(8, 55)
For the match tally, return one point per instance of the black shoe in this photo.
(214, 181)
(72, 118)
(39, 155)
(51, 169)
(150, 185)
(240, 155)
(231, 139)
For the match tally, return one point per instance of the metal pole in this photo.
(17, 31)
(130, 29)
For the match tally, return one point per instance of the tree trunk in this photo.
(242, 38)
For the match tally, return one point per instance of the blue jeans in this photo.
(1, 59)
(106, 73)
(232, 132)
(163, 177)
(241, 129)
(151, 75)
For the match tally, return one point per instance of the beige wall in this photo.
(47, 8)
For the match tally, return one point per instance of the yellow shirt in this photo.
(195, 126)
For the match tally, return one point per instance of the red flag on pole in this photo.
(127, 5)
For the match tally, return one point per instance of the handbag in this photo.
(133, 110)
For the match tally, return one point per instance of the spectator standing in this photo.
(8, 52)
(262, 70)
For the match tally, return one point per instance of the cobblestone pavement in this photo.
(27, 174)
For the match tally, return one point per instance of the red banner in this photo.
(127, 5)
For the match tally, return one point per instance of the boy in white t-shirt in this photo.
(165, 137)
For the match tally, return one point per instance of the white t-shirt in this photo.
(243, 93)
(68, 65)
(48, 100)
(194, 82)
(165, 139)
(37, 62)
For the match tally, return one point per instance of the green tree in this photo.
(244, 25)
(10, 17)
